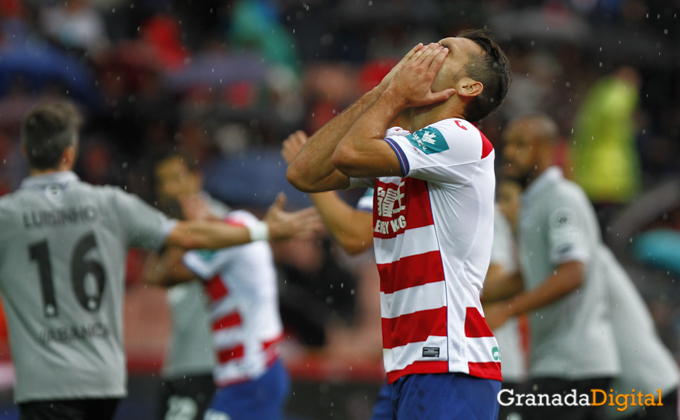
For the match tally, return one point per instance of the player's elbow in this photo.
(344, 159)
(297, 178)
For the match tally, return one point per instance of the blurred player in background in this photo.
(244, 314)
(433, 213)
(562, 287)
(503, 263)
(647, 366)
(62, 270)
(189, 361)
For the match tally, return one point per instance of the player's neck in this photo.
(426, 115)
(61, 168)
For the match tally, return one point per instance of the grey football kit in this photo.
(572, 340)
(62, 270)
(189, 359)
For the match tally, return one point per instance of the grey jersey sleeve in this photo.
(568, 239)
(144, 226)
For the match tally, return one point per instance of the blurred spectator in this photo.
(75, 24)
(605, 158)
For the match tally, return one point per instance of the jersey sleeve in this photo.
(205, 263)
(502, 248)
(441, 151)
(145, 226)
(568, 239)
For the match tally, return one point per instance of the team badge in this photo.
(429, 140)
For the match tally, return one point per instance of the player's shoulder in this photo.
(454, 136)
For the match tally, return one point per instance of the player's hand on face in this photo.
(301, 224)
(413, 81)
(385, 82)
(496, 314)
(292, 145)
(194, 207)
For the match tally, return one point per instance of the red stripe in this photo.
(234, 221)
(419, 367)
(417, 212)
(487, 147)
(475, 324)
(413, 328)
(216, 288)
(411, 271)
(488, 370)
(231, 319)
(267, 344)
(226, 355)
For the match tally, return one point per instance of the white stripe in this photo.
(411, 242)
(398, 358)
(413, 299)
(227, 338)
(480, 349)
(239, 369)
(223, 307)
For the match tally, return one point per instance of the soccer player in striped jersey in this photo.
(433, 218)
(244, 315)
(62, 270)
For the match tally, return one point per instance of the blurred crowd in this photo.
(226, 81)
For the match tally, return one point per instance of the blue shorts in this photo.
(261, 399)
(449, 396)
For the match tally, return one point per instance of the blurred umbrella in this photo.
(40, 65)
(217, 69)
(552, 22)
(253, 179)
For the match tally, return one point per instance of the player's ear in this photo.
(469, 87)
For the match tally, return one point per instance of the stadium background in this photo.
(227, 81)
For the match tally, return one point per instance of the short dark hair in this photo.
(191, 163)
(47, 130)
(491, 69)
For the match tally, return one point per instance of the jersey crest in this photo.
(429, 140)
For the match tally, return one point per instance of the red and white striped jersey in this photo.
(433, 231)
(240, 282)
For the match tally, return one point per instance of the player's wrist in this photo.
(259, 231)
(396, 100)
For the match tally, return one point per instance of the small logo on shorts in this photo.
(430, 351)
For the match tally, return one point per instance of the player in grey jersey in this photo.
(187, 372)
(62, 268)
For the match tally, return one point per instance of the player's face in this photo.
(174, 179)
(520, 152)
(460, 50)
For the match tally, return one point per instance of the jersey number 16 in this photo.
(80, 268)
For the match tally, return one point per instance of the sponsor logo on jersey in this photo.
(390, 202)
(74, 333)
(430, 351)
(429, 140)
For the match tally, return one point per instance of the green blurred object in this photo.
(605, 159)
(254, 25)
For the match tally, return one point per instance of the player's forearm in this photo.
(500, 285)
(355, 155)
(165, 270)
(313, 166)
(566, 279)
(207, 235)
(351, 228)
